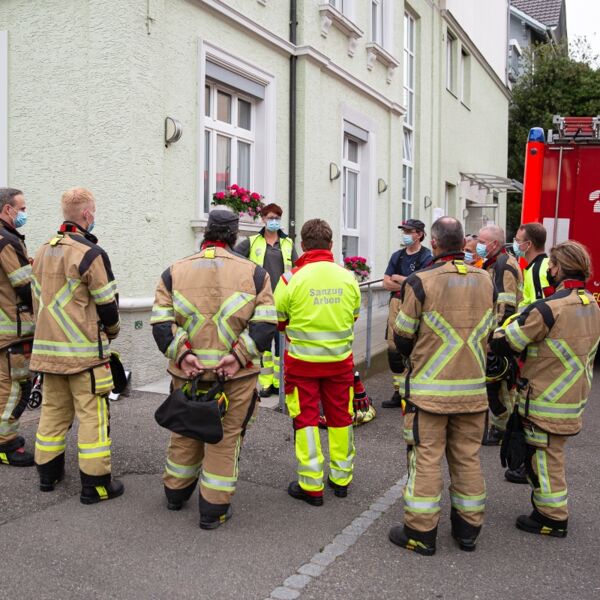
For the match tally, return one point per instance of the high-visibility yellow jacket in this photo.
(317, 305)
(560, 335)
(258, 249)
(75, 302)
(508, 279)
(535, 281)
(446, 316)
(16, 311)
(214, 303)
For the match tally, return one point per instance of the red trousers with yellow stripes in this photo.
(85, 396)
(336, 393)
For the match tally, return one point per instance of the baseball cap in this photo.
(412, 224)
(223, 217)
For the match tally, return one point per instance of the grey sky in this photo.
(583, 18)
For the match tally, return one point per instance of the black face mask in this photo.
(551, 279)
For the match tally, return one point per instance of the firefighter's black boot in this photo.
(295, 491)
(96, 488)
(464, 533)
(538, 523)
(421, 542)
(394, 402)
(341, 491)
(177, 498)
(213, 515)
(51, 473)
(14, 454)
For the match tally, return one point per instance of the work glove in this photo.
(514, 448)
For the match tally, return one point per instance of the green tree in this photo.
(556, 80)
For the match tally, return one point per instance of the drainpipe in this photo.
(292, 122)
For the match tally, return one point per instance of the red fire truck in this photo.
(561, 185)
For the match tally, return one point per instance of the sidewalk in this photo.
(132, 547)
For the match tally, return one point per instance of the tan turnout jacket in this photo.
(560, 334)
(214, 303)
(75, 302)
(16, 312)
(446, 316)
(508, 279)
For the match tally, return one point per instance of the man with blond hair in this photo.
(76, 306)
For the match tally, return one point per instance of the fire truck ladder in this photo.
(576, 129)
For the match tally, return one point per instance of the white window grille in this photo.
(229, 140)
(351, 196)
(409, 118)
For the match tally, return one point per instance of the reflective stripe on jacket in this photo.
(535, 281)
(319, 305)
(560, 335)
(76, 304)
(447, 312)
(508, 279)
(211, 303)
(16, 312)
(258, 249)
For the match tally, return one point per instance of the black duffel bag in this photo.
(195, 414)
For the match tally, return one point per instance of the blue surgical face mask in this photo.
(273, 224)
(91, 226)
(517, 249)
(469, 258)
(407, 239)
(20, 219)
(481, 250)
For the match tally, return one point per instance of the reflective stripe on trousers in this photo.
(310, 459)
(418, 504)
(341, 453)
(466, 503)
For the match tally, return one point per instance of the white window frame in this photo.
(451, 45)
(230, 131)
(349, 166)
(264, 170)
(378, 23)
(408, 131)
(3, 109)
(465, 76)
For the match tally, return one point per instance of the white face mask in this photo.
(407, 239)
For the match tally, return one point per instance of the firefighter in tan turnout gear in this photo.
(76, 308)
(442, 330)
(213, 314)
(508, 279)
(16, 327)
(559, 335)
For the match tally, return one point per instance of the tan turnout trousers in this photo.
(429, 436)
(85, 396)
(546, 471)
(10, 395)
(215, 464)
(397, 377)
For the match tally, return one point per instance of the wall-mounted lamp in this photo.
(173, 131)
(427, 202)
(381, 186)
(334, 171)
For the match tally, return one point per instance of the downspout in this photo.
(292, 122)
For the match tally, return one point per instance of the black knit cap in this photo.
(223, 217)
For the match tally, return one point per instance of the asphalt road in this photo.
(53, 547)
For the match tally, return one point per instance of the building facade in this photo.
(361, 112)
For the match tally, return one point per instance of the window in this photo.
(229, 140)
(339, 4)
(450, 61)
(409, 68)
(409, 117)
(377, 22)
(351, 196)
(465, 77)
(450, 200)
